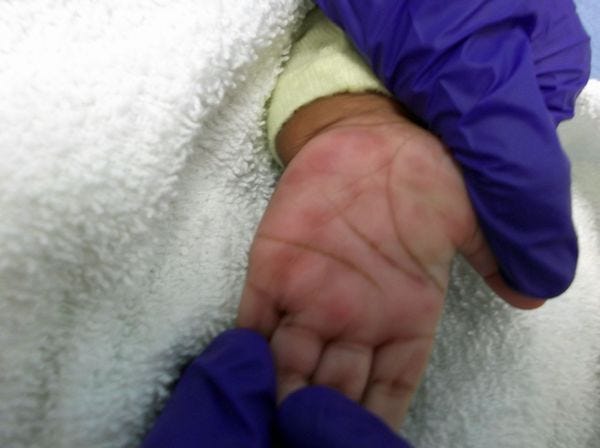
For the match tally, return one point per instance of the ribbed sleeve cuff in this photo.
(322, 62)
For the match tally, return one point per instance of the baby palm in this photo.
(349, 266)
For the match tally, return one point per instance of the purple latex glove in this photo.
(226, 399)
(492, 78)
(317, 417)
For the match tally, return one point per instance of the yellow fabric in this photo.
(322, 62)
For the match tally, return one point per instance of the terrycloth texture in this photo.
(132, 176)
(322, 62)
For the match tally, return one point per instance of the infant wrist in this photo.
(324, 113)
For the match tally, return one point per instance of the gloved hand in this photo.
(492, 78)
(226, 398)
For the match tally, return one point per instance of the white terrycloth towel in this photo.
(132, 177)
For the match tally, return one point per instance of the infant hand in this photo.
(350, 264)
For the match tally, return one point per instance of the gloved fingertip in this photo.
(546, 277)
(239, 342)
(544, 283)
(318, 416)
(241, 361)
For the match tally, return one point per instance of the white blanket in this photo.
(132, 176)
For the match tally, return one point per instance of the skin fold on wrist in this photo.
(327, 112)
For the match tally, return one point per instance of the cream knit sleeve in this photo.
(322, 62)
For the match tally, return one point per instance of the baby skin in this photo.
(350, 264)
